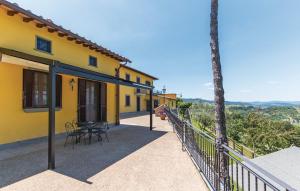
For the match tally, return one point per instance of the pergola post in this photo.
(118, 95)
(117, 104)
(151, 110)
(51, 104)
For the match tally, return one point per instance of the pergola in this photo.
(56, 67)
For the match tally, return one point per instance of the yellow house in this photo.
(167, 99)
(134, 100)
(50, 75)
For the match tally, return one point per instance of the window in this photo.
(148, 83)
(127, 77)
(127, 100)
(156, 103)
(93, 61)
(43, 45)
(35, 89)
(138, 80)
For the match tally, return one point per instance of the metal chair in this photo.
(71, 133)
(81, 132)
(102, 128)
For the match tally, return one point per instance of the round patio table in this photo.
(89, 127)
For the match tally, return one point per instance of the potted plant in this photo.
(163, 116)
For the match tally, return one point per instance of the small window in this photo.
(156, 103)
(127, 100)
(93, 61)
(43, 45)
(138, 80)
(35, 89)
(127, 77)
(148, 83)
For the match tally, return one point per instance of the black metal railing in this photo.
(191, 115)
(240, 173)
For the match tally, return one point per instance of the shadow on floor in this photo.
(84, 161)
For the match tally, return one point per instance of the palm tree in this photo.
(218, 89)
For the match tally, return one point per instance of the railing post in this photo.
(183, 136)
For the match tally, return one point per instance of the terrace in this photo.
(134, 159)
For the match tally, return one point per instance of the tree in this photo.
(179, 101)
(183, 106)
(218, 88)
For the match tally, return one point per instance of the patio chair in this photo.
(82, 133)
(71, 132)
(102, 128)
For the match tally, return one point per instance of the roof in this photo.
(138, 71)
(283, 164)
(167, 96)
(14, 9)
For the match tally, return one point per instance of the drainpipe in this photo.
(118, 94)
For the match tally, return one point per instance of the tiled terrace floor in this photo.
(135, 159)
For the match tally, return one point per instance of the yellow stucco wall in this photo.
(18, 35)
(132, 91)
(171, 102)
(17, 125)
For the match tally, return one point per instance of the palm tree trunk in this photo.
(218, 89)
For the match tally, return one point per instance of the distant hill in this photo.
(256, 103)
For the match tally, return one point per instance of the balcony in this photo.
(134, 159)
(139, 91)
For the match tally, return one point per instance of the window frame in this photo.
(95, 58)
(148, 83)
(31, 94)
(44, 39)
(138, 79)
(127, 75)
(127, 104)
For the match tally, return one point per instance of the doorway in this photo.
(91, 101)
(138, 103)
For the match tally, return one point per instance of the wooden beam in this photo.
(92, 48)
(85, 45)
(71, 38)
(40, 25)
(51, 30)
(78, 42)
(11, 12)
(62, 34)
(27, 19)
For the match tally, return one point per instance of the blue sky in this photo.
(259, 41)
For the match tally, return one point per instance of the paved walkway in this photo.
(134, 159)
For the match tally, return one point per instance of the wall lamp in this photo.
(72, 83)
